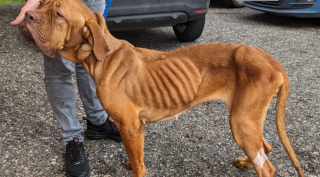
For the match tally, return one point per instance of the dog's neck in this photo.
(92, 65)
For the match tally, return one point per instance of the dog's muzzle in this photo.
(25, 32)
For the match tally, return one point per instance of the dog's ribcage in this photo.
(168, 83)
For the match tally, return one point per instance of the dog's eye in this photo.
(59, 14)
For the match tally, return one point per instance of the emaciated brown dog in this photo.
(137, 86)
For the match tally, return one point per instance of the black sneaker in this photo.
(76, 160)
(108, 130)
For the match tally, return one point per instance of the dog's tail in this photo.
(280, 112)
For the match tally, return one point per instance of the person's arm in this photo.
(30, 5)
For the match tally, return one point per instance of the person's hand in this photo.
(30, 5)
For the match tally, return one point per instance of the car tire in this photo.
(233, 3)
(190, 30)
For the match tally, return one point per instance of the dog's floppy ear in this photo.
(98, 41)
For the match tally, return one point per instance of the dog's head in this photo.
(66, 27)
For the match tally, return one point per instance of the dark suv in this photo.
(187, 17)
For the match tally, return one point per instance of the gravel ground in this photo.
(200, 143)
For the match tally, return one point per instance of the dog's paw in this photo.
(127, 165)
(242, 162)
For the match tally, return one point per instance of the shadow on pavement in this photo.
(276, 20)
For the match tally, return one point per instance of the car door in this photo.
(139, 7)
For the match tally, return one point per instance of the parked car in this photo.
(293, 8)
(187, 17)
(232, 3)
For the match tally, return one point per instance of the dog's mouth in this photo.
(32, 38)
(26, 33)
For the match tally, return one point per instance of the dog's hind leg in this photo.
(267, 147)
(248, 135)
(247, 115)
(243, 162)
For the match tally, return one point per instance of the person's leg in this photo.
(61, 95)
(87, 91)
(96, 5)
(98, 125)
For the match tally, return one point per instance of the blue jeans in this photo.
(61, 94)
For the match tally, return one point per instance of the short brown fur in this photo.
(138, 86)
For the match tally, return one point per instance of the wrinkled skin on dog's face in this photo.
(58, 26)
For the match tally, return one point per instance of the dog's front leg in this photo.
(132, 132)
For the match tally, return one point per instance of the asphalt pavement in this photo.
(198, 144)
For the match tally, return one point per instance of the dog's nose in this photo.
(30, 16)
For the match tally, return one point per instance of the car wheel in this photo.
(190, 30)
(233, 3)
